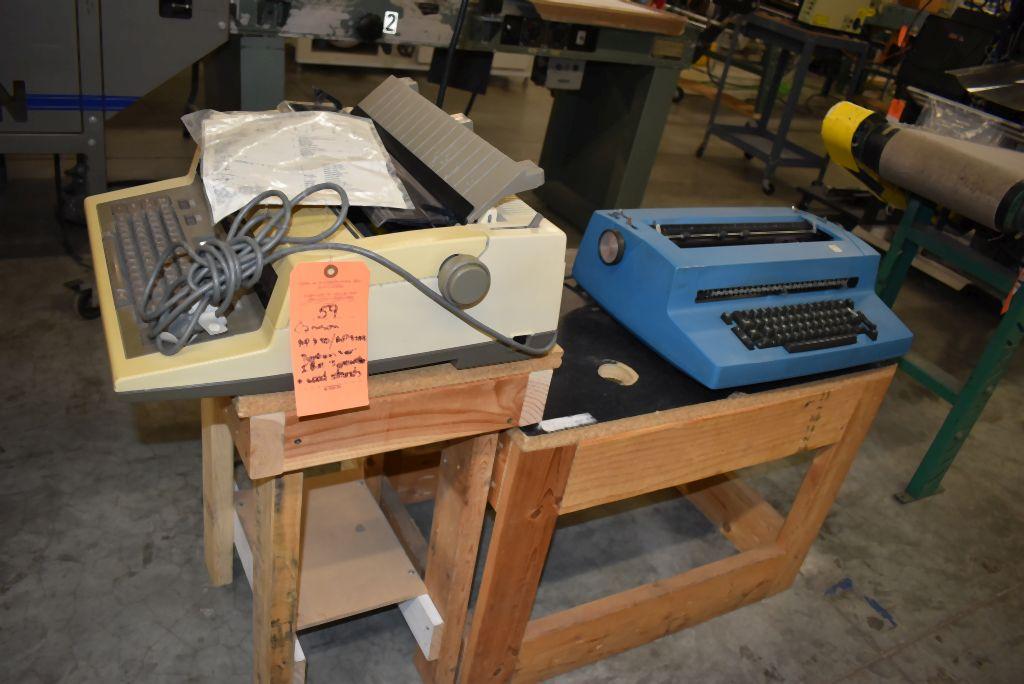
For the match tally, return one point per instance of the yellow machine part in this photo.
(837, 131)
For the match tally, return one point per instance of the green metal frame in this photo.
(913, 234)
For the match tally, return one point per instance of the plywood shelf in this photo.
(351, 560)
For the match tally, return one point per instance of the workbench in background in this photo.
(783, 41)
(601, 139)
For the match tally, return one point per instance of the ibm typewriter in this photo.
(740, 296)
(470, 275)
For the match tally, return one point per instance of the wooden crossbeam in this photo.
(409, 535)
(607, 468)
(571, 638)
(739, 512)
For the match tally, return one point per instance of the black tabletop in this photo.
(590, 338)
(802, 33)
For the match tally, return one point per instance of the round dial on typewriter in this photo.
(611, 247)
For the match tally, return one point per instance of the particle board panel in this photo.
(351, 560)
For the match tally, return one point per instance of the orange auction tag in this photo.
(328, 320)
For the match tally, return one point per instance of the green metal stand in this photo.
(913, 234)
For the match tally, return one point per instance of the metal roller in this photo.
(985, 184)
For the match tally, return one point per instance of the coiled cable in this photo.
(220, 268)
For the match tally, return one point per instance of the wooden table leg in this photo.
(824, 478)
(276, 576)
(218, 492)
(464, 479)
(527, 509)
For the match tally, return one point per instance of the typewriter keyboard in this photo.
(801, 327)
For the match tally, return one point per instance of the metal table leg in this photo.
(733, 46)
(969, 404)
(779, 143)
(969, 401)
(776, 62)
(894, 267)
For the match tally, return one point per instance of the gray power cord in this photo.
(220, 268)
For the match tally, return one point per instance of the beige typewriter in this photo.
(470, 276)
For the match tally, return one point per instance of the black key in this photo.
(747, 342)
(821, 343)
(726, 318)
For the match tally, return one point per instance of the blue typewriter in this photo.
(740, 296)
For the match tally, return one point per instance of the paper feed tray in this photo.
(462, 169)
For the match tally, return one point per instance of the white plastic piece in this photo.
(516, 213)
(465, 121)
(566, 422)
(211, 322)
(425, 621)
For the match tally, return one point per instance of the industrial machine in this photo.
(469, 276)
(740, 296)
(944, 44)
(67, 67)
(847, 16)
(984, 184)
(612, 71)
(981, 189)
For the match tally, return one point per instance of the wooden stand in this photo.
(698, 449)
(328, 545)
(322, 531)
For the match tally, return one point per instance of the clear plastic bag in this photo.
(955, 120)
(245, 153)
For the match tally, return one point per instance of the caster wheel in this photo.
(748, 156)
(700, 152)
(767, 187)
(678, 97)
(84, 305)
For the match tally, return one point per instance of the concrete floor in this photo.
(101, 566)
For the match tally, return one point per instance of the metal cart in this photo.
(784, 40)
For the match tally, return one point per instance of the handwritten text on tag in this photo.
(328, 314)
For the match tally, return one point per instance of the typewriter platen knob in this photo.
(611, 246)
(463, 280)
